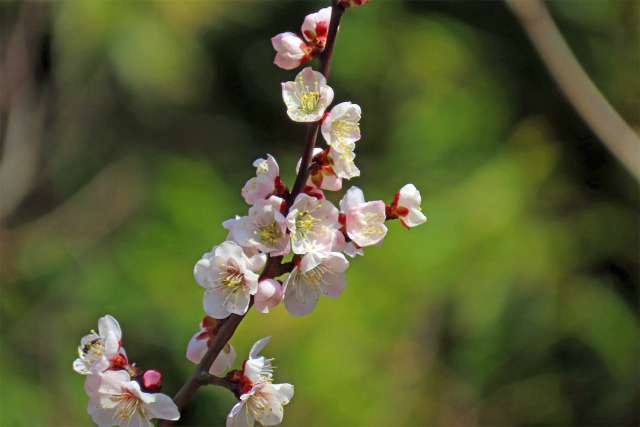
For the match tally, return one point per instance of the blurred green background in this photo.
(129, 128)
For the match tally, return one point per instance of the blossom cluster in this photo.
(119, 393)
(299, 233)
(305, 226)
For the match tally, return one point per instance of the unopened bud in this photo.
(152, 380)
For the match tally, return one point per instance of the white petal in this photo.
(163, 408)
(258, 346)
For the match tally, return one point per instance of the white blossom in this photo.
(264, 228)
(307, 97)
(309, 221)
(364, 221)
(319, 273)
(340, 127)
(229, 279)
(115, 400)
(96, 350)
(407, 206)
(292, 50)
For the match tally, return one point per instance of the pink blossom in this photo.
(269, 295)
(318, 273)
(364, 221)
(292, 50)
(201, 341)
(264, 228)
(316, 25)
(309, 221)
(264, 183)
(340, 127)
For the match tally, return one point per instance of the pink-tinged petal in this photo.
(224, 360)
(315, 25)
(256, 262)
(269, 295)
(230, 250)
(354, 196)
(196, 348)
(300, 299)
(311, 260)
(276, 395)
(92, 384)
(238, 302)
(352, 250)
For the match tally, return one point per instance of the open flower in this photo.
(115, 400)
(292, 50)
(406, 206)
(318, 273)
(364, 221)
(263, 228)
(201, 341)
(260, 399)
(264, 183)
(307, 97)
(96, 350)
(343, 162)
(229, 279)
(309, 221)
(340, 127)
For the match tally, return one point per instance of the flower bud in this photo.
(152, 380)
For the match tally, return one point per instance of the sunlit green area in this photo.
(129, 128)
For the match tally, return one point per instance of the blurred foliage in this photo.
(517, 302)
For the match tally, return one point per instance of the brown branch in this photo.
(594, 109)
(312, 128)
(274, 266)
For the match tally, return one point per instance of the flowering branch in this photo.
(274, 267)
(279, 222)
(312, 128)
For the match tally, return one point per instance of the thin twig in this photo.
(594, 109)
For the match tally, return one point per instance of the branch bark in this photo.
(579, 90)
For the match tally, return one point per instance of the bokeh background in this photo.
(129, 128)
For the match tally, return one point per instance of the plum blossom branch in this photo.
(312, 128)
(274, 266)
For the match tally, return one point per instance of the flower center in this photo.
(342, 127)
(233, 280)
(305, 222)
(307, 99)
(270, 234)
(126, 405)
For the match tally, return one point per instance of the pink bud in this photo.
(269, 295)
(152, 380)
